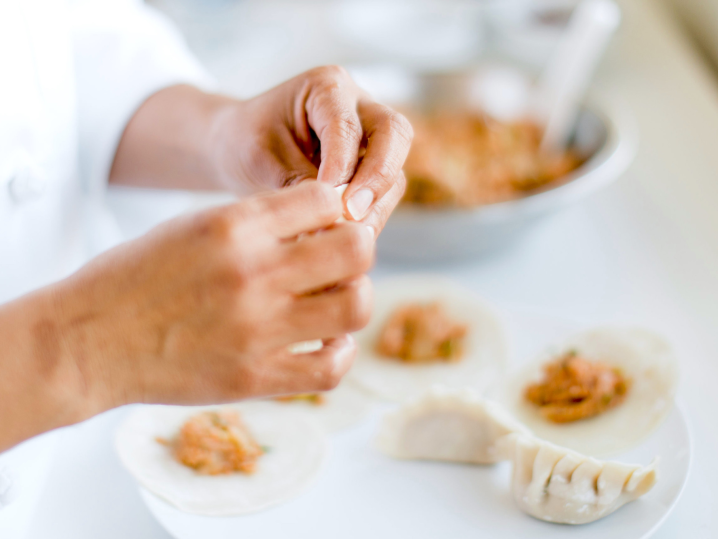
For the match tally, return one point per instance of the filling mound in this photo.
(215, 443)
(574, 388)
(422, 333)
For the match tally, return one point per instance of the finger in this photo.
(381, 211)
(317, 371)
(343, 309)
(331, 113)
(327, 257)
(388, 136)
(305, 207)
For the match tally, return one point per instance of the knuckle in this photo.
(332, 72)
(356, 308)
(325, 199)
(397, 123)
(385, 172)
(329, 377)
(358, 251)
(349, 126)
(246, 382)
(218, 225)
(401, 185)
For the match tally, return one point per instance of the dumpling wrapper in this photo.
(343, 407)
(447, 425)
(485, 348)
(297, 448)
(305, 347)
(644, 357)
(556, 484)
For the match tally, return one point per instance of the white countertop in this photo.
(643, 252)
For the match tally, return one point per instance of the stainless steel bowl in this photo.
(606, 138)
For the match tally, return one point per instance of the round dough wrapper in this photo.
(644, 357)
(343, 407)
(484, 356)
(297, 448)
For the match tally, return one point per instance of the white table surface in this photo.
(643, 252)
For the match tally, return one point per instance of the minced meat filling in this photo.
(215, 443)
(420, 333)
(467, 159)
(575, 388)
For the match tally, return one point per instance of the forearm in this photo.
(41, 386)
(174, 140)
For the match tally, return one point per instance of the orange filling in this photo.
(421, 333)
(574, 388)
(215, 443)
(466, 159)
(312, 398)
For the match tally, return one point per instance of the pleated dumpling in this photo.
(447, 425)
(556, 484)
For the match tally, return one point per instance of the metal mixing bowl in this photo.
(605, 137)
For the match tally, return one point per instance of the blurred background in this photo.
(641, 198)
(509, 50)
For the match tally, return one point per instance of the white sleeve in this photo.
(124, 51)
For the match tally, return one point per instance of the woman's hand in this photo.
(321, 125)
(318, 125)
(200, 310)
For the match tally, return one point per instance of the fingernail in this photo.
(371, 231)
(359, 203)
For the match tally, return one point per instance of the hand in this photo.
(200, 310)
(321, 125)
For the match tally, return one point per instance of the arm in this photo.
(39, 387)
(173, 142)
(200, 310)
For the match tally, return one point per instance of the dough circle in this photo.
(646, 358)
(484, 353)
(297, 447)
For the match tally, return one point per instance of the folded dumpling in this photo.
(448, 425)
(556, 484)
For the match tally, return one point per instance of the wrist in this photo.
(98, 341)
(41, 387)
(175, 140)
(229, 121)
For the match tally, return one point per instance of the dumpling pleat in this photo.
(612, 481)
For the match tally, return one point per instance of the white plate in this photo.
(363, 493)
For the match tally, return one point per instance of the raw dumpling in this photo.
(295, 449)
(449, 425)
(559, 485)
(644, 357)
(484, 355)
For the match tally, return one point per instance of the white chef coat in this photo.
(72, 72)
